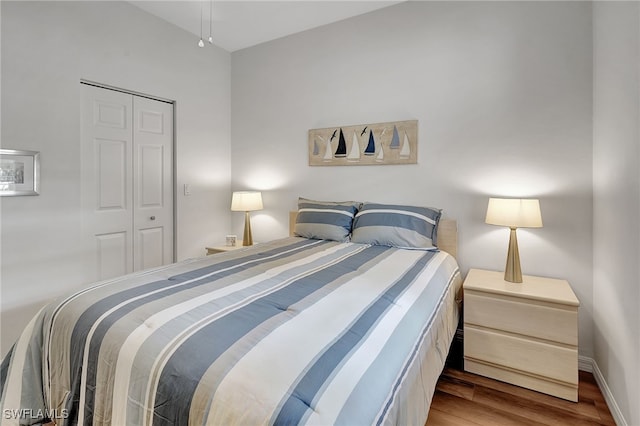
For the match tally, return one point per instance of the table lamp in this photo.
(514, 213)
(246, 201)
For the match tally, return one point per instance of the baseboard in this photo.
(585, 363)
(589, 364)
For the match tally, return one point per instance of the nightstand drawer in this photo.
(515, 352)
(542, 320)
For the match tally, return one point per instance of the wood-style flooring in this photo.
(466, 399)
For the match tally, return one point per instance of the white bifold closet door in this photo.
(127, 182)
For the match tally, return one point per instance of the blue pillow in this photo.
(325, 220)
(396, 226)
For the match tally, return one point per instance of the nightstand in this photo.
(525, 334)
(221, 249)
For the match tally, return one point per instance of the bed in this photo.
(293, 331)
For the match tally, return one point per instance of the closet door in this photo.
(107, 182)
(153, 183)
(127, 182)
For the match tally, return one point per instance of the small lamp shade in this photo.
(514, 213)
(246, 201)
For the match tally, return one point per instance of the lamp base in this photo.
(247, 239)
(512, 271)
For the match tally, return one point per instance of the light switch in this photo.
(187, 189)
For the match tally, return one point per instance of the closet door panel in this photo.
(153, 188)
(151, 247)
(112, 254)
(106, 187)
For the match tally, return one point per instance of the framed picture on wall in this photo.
(19, 172)
(393, 142)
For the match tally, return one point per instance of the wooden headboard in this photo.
(447, 233)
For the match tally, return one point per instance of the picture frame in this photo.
(19, 172)
(394, 142)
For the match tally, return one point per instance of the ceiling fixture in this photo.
(210, 21)
(210, 39)
(201, 43)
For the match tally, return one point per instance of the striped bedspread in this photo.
(288, 332)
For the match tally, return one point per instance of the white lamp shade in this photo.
(246, 201)
(514, 212)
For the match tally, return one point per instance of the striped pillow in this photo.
(396, 226)
(324, 220)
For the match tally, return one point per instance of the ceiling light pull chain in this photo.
(210, 21)
(201, 43)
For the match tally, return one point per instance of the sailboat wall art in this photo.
(395, 142)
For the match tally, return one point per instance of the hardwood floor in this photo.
(466, 399)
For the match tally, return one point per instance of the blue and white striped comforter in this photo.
(288, 332)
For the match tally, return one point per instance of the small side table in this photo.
(525, 334)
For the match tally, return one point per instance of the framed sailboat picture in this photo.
(394, 142)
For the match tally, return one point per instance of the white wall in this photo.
(502, 92)
(47, 47)
(616, 201)
(503, 95)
